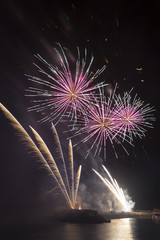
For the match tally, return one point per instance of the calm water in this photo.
(119, 229)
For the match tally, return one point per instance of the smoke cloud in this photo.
(94, 194)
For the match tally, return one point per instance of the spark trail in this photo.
(115, 189)
(71, 192)
(45, 157)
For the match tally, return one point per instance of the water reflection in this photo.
(118, 229)
(73, 231)
(121, 229)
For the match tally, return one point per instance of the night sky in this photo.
(125, 36)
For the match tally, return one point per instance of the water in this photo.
(118, 229)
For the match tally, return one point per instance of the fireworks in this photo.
(116, 119)
(133, 116)
(63, 91)
(100, 123)
(115, 189)
(98, 118)
(68, 188)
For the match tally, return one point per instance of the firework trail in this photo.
(60, 152)
(44, 157)
(63, 92)
(51, 162)
(115, 189)
(77, 182)
(133, 116)
(72, 191)
(24, 136)
(26, 139)
(71, 168)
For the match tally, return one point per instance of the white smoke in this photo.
(99, 197)
(92, 193)
(131, 204)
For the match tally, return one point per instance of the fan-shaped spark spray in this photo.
(114, 188)
(46, 159)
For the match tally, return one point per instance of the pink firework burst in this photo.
(100, 124)
(63, 93)
(133, 116)
(116, 119)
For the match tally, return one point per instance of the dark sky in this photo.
(127, 34)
